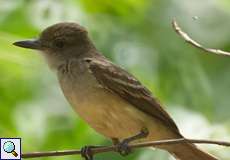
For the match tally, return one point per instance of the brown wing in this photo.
(120, 82)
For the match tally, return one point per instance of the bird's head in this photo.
(60, 42)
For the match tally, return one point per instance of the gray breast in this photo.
(75, 79)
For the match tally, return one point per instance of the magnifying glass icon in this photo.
(9, 147)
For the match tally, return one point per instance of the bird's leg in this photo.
(123, 148)
(115, 141)
(86, 152)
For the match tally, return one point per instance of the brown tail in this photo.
(189, 151)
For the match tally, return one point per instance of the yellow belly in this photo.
(114, 117)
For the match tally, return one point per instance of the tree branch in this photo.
(114, 148)
(189, 40)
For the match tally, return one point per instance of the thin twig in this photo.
(189, 40)
(114, 148)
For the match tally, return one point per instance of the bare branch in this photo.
(189, 40)
(114, 148)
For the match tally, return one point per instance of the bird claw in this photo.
(123, 148)
(86, 152)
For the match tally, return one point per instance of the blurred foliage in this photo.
(135, 34)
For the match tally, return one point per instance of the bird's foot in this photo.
(86, 152)
(123, 148)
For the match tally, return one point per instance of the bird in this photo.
(106, 96)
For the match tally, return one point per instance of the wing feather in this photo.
(122, 83)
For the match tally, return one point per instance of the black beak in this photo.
(32, 44)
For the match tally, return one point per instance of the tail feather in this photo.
(189, 151)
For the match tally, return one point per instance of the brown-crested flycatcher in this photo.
(107, 97)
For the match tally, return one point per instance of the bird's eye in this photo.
(59, 43)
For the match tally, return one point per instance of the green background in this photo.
(193, 86)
